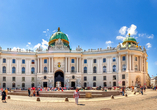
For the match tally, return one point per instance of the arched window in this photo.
(4, 60)
(104, 69)
(104, 60)
(4, 85)
(94, 84)
(45, 69)
(124, 67)
(94, 69)
(23, 61)
(85, 69)
(23, 69)
(45, 77)
(13, 61)
(85, 60)
(13, 85)
(123, 58)
(136, 68)
(123, 83)
(72, 69)
(114, 59)
(23, 85)
(4, 69)
(45, 60)
(13, 70)
(32, 70)
(114, 68)
(85, 84)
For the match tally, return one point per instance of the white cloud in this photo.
(47, 29)
(120, 38)
(44, 31)
(148, 45)
(29, 43)
(122, 30)
(54, 30)
(109, 42)
(43, 44)
(141, 35)
(132, 30)
(151, 36)
(37, 46)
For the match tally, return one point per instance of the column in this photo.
(144, 65)
(49, 64)
(119, 63)
(80, 64)
(52, 64)
(69, 64)
(38, 65)
(0, 65)
(127, 62)
(77, 64)
(98, 70)
(140, 63)
(130, 62)
(133, 63)
(65, 64)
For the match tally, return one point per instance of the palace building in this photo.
(59, 65)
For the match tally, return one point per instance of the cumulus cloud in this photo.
(132, 30)
(122, 30)
(29, 43)
(109, 42)
(151, 36)
(37, 45)
(120, 38)
(43, 44)
(141, 35)
(148, 45)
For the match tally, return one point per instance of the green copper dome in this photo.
(129, 39)
(59, 35)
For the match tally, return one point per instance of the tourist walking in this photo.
(123, 91)
(34, 93)
(141, 90)
(6, 91)
(38, 93)
(29, 92)
(76, 96)
(4, 96)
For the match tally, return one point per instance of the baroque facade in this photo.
(59, 65)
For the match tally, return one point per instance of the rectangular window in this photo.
(94, 78)
(32, 78)
(94, 61)
(114, 77)
(94, 84)
(135, 58)
(85, 78)
(4, 78)
(72, 61)
(114, 83)
(105, 84)
(33, 62)
(23, 78)
(104, 60)
(23, 84)
(123, 76)
(23, 61)
(13, 79)
(4, 60)
(104, 77)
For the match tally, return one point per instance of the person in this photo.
(144, 88)
(4, 96)
(123, 91)
(29, 92)
(34, 93)
(38, 93)
(76, 96)
(6, 91)
(141, 90)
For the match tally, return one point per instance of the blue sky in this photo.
(91, 24)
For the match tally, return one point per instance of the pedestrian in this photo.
(123, 91)
(4, 96)
(38, 93)
(29, 92)
(76, 96)
(34, 93)
(144, 88)
(141, 90)
(6, 91)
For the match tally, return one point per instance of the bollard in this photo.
(134, 92)
(112, 97)
(8, 97)
(126, 95)
(66, 99)
(38, 99)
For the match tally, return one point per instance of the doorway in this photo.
(59, 77)
(72, 84)
(44, 84)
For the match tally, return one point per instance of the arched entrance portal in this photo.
(59, 78)
(138, 81)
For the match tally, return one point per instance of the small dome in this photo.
(59, 35)
(129, 40)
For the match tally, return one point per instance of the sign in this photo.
(59, 64)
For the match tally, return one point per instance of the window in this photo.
(114, 59)
(104, 69)
(23, 69)
(135, 58)
(33, 62)
(114, 77)
(94, 69)
(85, 84)
(73, 77)
(124, 67)
(32, 70)
(104, 77)
(13, 70)
(45, 77)
(94, 78)
(13, 79)
(123, 76)
(4, 78)
(105, 84)
(114, 68)
(72, 61)
(13, 61)
(23, 61)
(13, 85)
(94, 60)
(85, 69)
(32, 78)
(94, 84)
(104, 60)
(23, 85)
(114, 83)
(4, 69)
(85, 78)
(123, 58)
(23, 78)
(4, 85)
(32, 84)
(123, 83)
(45, 69)
(4, 60)
(85, 60)
(72, 69)
(45, 60)
(136, 68)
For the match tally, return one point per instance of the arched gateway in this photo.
(59, 79)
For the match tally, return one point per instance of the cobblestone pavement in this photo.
(138, 102)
